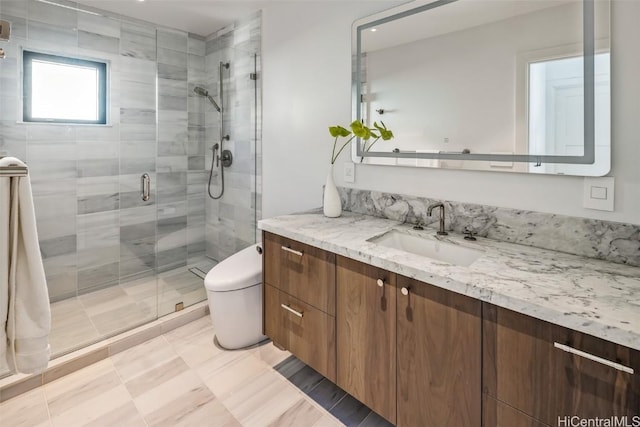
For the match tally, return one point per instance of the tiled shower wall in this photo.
(180, 168)
(94, 229)
(232, 220)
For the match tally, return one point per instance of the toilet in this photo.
(234, 292)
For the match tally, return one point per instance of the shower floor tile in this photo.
(122, 318)
(70, 326)
(105, 300)
(182, 378)
(79, 321)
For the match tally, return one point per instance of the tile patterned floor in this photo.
(182, 379)
(80, 321)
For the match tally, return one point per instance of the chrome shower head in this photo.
(203, 92)
(200, 91)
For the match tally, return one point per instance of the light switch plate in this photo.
(349, 172)
(598, 193)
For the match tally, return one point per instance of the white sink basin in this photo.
(430, 248)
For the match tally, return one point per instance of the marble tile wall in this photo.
(180, 169)
(611, 241)
(232, 220)
(94, 229)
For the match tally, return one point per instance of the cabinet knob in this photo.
(380, 282)
(405, 290)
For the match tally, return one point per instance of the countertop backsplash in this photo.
(605, 240)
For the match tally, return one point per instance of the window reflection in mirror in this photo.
(556, 112)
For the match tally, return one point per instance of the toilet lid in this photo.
(239, 271)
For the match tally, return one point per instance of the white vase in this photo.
(331, 202)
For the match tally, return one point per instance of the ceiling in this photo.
(202, 17)
(457, 16)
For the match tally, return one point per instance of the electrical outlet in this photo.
(349, 172)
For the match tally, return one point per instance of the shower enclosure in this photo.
(114, 260)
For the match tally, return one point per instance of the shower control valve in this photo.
(227, 158)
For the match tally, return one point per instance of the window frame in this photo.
(27, 60)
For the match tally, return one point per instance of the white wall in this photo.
(449, 93)
(306, 87)
(306, 84)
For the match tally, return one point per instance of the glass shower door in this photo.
(180, 174)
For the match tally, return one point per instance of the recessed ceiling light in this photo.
(374, 30)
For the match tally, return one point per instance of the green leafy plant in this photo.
(383, 133)
(358, 130)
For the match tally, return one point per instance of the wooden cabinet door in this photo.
(498, 414)
(300, 270)
(517, 368)
(547, 371)
(366, 335)
(594, 388)
(438, 357)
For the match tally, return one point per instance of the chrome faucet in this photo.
(440, 205)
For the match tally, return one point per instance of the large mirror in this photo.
(503, 85)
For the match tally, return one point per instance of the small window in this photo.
(60, 89)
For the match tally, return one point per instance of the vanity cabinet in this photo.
(299, 301)
(549, 372)
(366, 335)
(408, 350)
(439, 368)
(420, 355)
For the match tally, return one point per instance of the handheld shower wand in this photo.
(225, 155)
(203, 92)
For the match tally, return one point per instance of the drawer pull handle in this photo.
(405, 290)
(589, 356)
(293, 251)
(380, 282)
(297, 313)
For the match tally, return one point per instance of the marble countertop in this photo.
(596, 297)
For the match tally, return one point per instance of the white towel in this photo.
(25, 315)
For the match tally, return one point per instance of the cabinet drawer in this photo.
(300, 270)
(548, 371)
(305, 331)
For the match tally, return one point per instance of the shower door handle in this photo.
(145, 183)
